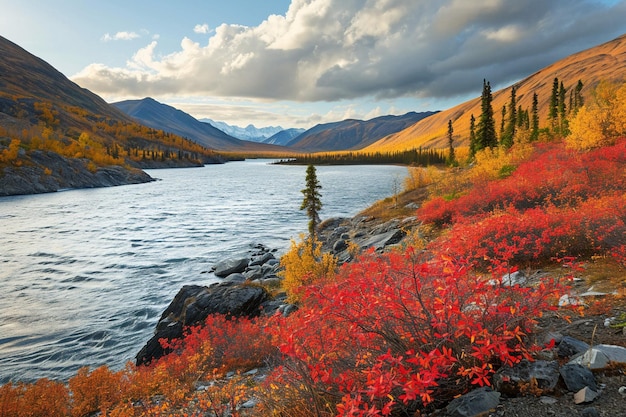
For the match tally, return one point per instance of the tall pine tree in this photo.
(506, 140)
(534, 133)
(451, 157)
(486, 132)
(312, 202)
(472, 136)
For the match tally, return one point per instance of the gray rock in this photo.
(379, 241)
(262, 259)
(577, 377)
(590, 412)
(508, 379)
(474, 403)
(193, 304)
(230, 266)
(599, 356)
(585, 395)
(570, 347)
(236, 278)
(340, 245)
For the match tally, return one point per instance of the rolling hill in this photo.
(55, 134)
(161, 116)
(603, 62)
(353, 134)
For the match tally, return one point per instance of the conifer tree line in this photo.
(416, 156)
(516, 119)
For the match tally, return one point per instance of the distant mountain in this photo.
(59, 135)
(161, 116)
(284, 136)
(250, 132)
(603, 62)
(353, 134)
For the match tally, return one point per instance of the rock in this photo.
(508, 379)
(585, 395)
(548, 400)
(236, 278)
(513, 279)
(590, 412)
(340, 245)
(474, 403)
(262, 259)
(379, 241)
(193, 304)
(577, 377)
(230, 266)
(599, 356)
(569, 347)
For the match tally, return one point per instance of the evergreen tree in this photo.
(534, 134)
(311, 202)
(563, 130)
(502, 121)
(486, 132)
(578, 98)
(508, 135)
(472, 136)
(451, 158)
(553, 110)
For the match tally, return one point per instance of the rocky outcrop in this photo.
(45, 172)
(194, 303)
(338, 234)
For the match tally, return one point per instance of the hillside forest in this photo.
(405, 331)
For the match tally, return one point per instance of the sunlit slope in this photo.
(602, 62)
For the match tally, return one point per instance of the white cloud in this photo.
(120, 36)
(329, 50)
(202, 29)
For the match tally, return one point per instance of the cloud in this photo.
(120, 36)
(202, 29)
(330, 50)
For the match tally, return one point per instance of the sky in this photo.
(297, 63)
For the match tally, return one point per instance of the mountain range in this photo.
(250, 132)
(161, 116)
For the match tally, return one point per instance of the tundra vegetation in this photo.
(409, 329)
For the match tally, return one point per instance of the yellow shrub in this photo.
(601, 121)
(305, 264)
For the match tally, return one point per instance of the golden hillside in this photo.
(602, 62)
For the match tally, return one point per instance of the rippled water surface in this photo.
(85, 274)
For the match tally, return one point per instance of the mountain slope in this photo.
(54, 134)
(353, 134)
(603, 62)
(250, 132)
(161, 116)
(284, 136)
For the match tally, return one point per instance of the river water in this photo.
(85, 274)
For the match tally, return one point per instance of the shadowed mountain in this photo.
(353, 134)
(161, 116)
(284, 136)
(603, 62)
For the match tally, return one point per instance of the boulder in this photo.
(475, 403)
(585, 395)
(194, 303)
(510, 379)
(599, 356)
(230, 266)
(570, 347)
(577, 377)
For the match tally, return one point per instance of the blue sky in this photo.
(296, 63)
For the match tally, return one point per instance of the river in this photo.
(85, 274)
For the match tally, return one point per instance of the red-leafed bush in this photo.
(400, 332)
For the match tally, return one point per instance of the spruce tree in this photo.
(472, 136)
(312, 202)
(553, 110)
(534, 134)
(506, 140)
(451, 158)
(563, 129)
(486, 133)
